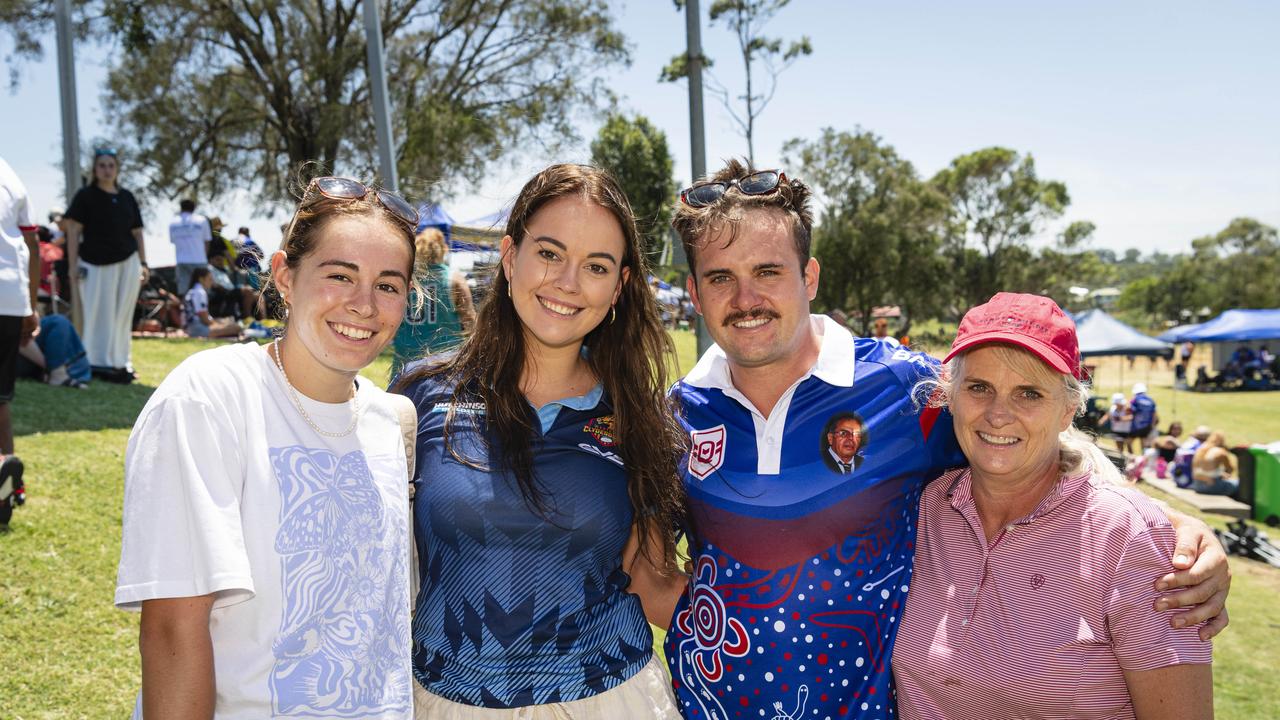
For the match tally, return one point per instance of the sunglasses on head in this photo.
(104, 151)
(708, 193)
(338, 188)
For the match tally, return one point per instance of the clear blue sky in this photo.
(1163, 118)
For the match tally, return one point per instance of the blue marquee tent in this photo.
(492, 221)
(1236, 326)
(1174, 334)
(1100, 334)
(432, 215)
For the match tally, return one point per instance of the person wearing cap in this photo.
(1032, 591)
(1145, 418)
(1120, 419)
(798, 568)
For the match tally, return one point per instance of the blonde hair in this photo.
(1077, 451)
(431, 246)
(1216, 439)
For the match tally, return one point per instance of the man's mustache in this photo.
(752, 314)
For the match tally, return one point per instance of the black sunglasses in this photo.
(339, 188)
(708, 193)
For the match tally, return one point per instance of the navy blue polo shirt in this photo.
(801, 561)
(516, 609)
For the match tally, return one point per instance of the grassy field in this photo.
(69, 654)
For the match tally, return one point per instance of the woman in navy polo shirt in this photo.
(547, 453)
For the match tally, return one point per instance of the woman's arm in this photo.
(1176, 692)
(462, 304)
(72, 230)
(142, 253)
(658, 593)
(177, 658)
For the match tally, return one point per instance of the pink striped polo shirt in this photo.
(1041, 622)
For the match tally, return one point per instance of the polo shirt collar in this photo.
(548, 413)
(961, 494)
(834, 365)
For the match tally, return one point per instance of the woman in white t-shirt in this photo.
(266, 519)
(1119, 419)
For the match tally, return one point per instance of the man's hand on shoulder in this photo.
(1201, 577)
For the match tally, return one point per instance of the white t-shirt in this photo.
(196, 301)
(302, 539)
(1121, 417)
(189, 232)
(15, 212)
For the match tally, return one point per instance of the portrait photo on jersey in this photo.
(844, 437)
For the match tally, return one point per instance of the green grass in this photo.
(69, 654)
(1246, 655)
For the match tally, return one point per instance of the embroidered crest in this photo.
(601, 428)
(706, 452)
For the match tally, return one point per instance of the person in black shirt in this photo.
(108, 257)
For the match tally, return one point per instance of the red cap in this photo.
(1031, 322)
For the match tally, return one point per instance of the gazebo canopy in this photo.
(1100, 334)
(1236, 326)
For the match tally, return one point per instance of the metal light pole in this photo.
(67, 86)
(381, 105)
(697, 133)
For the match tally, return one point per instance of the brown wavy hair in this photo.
(628, 354)
(696, 226)
(313, 213)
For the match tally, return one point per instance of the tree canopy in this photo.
(999, 203)
(1238, 267)
(222, 95)
(878, 234)
(636, 152)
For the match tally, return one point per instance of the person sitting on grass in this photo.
(57, 356)
(1167, 448)
(199, 322)
(1213, 468)
(1183, 456)
(232, 289)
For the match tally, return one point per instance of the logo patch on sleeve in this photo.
(706, 452)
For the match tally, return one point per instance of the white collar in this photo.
(834, 365)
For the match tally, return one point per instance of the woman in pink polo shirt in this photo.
(1034, 575)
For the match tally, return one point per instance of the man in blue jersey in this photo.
(1145, 418)
(801, 554)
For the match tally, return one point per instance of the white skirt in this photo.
(646, 696)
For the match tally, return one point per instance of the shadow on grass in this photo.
(41, 408)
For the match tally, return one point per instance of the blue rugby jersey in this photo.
(800, 571)
(1144, 411)
(515, 610)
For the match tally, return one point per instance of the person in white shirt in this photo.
(266, 514)
(190, 234)
(19, 320)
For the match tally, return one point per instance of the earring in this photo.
(508, 288)
(613, 313)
